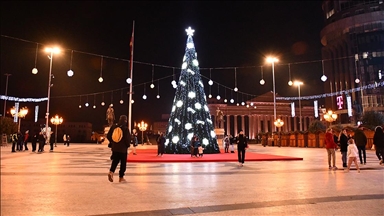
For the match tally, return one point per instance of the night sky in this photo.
(228, 35)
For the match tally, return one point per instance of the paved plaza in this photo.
(73, 181)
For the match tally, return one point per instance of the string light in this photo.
(235, 89)
(323, 78)
(290, 83)
(262, 81)
(153, 70)
(101, 70)
(34, 70)
(70, 72)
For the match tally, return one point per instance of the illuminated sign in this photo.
(293, 109)
(349, 105)
(316, 108)
(339, 102)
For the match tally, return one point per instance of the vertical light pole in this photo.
(56, 121)
(20, 114)
(51, 51)
(298, 84)
(142, 127)
(272, 60)
(6, 93)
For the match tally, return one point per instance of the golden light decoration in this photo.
(330, 116)
(279, 123)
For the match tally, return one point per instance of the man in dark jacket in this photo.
(119, 149)
(361, 141)
(242, 144)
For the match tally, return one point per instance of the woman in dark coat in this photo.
(343, 140)
(378, 141)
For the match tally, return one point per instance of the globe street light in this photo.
(298, 84)
(279, 123)
(20, 114)
(272, 60)
(56, 121)
(142, 127)
(330, 116)
(51, 51)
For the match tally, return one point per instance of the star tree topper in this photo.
(189, 31)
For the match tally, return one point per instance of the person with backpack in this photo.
(119, 136)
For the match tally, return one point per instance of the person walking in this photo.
(378, 141)
(68, 140)
(41, 142)
(352, 153)
(226, 144)
(65, 139)
(35, 139)
(26, 136)
(192, 146)
(343, 139)
(160, 145)
(242, 143)
(231, 142)
(20, 141)
(361, 142)
(330, 145)
(134, 141)
(14, 141)
(51, 141)
(119, 149)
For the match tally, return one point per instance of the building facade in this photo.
(353, 56)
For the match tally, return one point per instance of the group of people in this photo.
(352, 147)
(38, 141)
(196, 147)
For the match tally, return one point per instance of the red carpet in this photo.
(149, 155)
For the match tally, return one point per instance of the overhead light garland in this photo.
(34, 70)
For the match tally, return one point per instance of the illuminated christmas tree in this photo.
(190, 114)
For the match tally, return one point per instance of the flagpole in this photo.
(131, 76)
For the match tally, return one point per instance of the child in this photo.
(226, 144)
(201, 149)
(352, 154)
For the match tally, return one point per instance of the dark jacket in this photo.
(241, 141)
(343, 143)
(123, 145)
(360, 138)
(378, 138)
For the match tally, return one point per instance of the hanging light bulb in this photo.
(173, 82)
(242, 103)
(290, 83)
(121, 101)
(357, 80)
(324, 78)
(237, 104)
(94, 106)
(79, 106)
(225, 100)
(144, 97)
(174, 86)
(158, 96)
(152, 85)
(218, 97)
(129, 80)
(34, 71)
(101, 79)
(232, 101)
(210, 82)
(235, 89)
(210, 96)
(70, 73)
(262, 82)
(87, 104)
(132, 101)
(102, 103)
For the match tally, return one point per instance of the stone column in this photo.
(235, 125)
(228, 124)
(243, 123)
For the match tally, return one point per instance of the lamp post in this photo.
(279, 123)
(56, 121)
(330, 117)
(142, 127)
(298, 84)
(272, 60)
(51, 51)
(6, 92)
(20, 114)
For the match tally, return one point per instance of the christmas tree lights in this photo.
(190, 114)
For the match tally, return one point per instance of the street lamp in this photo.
(330, 116)
(272, 60)
(56, 121)
(279, 123)
(21, 114)
(142, 127)
(298, 84)
(51, 51)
